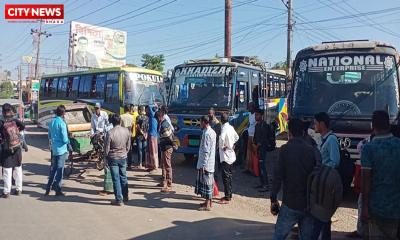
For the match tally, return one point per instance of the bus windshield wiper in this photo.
(377, 83)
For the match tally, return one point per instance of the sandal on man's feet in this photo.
(166, 190)
(224, 201)
(205, 209)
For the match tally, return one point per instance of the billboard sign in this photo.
(96, 47)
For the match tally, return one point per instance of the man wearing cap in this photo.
(100, 124)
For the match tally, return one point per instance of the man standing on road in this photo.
(248, 166)
(296, 161)
(380, 178)
(166, 146)
(261, 141)
(11, 155)
(58, 137)
(227, 156)
(142, 129)
(117, 145)
(206, 164)
(216, 126)
(330, 157)
(100, 124)
(128, 121)
(153, 139)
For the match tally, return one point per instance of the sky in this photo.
(194, 29)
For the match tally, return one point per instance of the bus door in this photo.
(113, 98)
(241, 101)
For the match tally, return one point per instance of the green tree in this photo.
(280, 65)
(6, 89)
(153, 62)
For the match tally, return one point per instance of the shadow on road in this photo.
(214, 228)
(37, 137)
(162, 200)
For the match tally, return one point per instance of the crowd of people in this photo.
(308, 173)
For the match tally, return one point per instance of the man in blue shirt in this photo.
(58, 137)
(329, 147)
(330, 157)
(153, 139)
(380, 178)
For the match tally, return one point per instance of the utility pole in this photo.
(38, 33)
(72, 45)
(228, 28)
(20, 81)
(289, 40)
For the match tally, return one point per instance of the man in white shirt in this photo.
(227, 141)
(100, 122)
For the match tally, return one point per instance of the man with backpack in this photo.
(380, 178)
(296, 161)
(330, 157)
(11, 155)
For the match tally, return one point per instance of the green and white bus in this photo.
(111, 87)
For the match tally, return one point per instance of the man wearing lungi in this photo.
(206, 164)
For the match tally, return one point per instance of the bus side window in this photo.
(283, 88)
(100, 84)
(255, 93)
(62, 87)
(93, 87)
(271, 88)
(85, 86)
(277, 90)
(75, 87)
(241, 96)
(112, 93)
(43, 87)
(69, 86)
(53, 83)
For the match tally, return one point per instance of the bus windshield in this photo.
(202, 92)
(143, 89)
(346, 85)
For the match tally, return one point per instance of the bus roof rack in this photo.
(357, 44)
(211, 60)
(248, 60)
(340, 41)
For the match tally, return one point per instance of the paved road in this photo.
(83, 214)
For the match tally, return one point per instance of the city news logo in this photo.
(48, 13)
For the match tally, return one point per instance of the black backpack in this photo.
(324, 192)
(346, 167)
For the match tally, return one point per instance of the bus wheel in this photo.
(188, 157)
